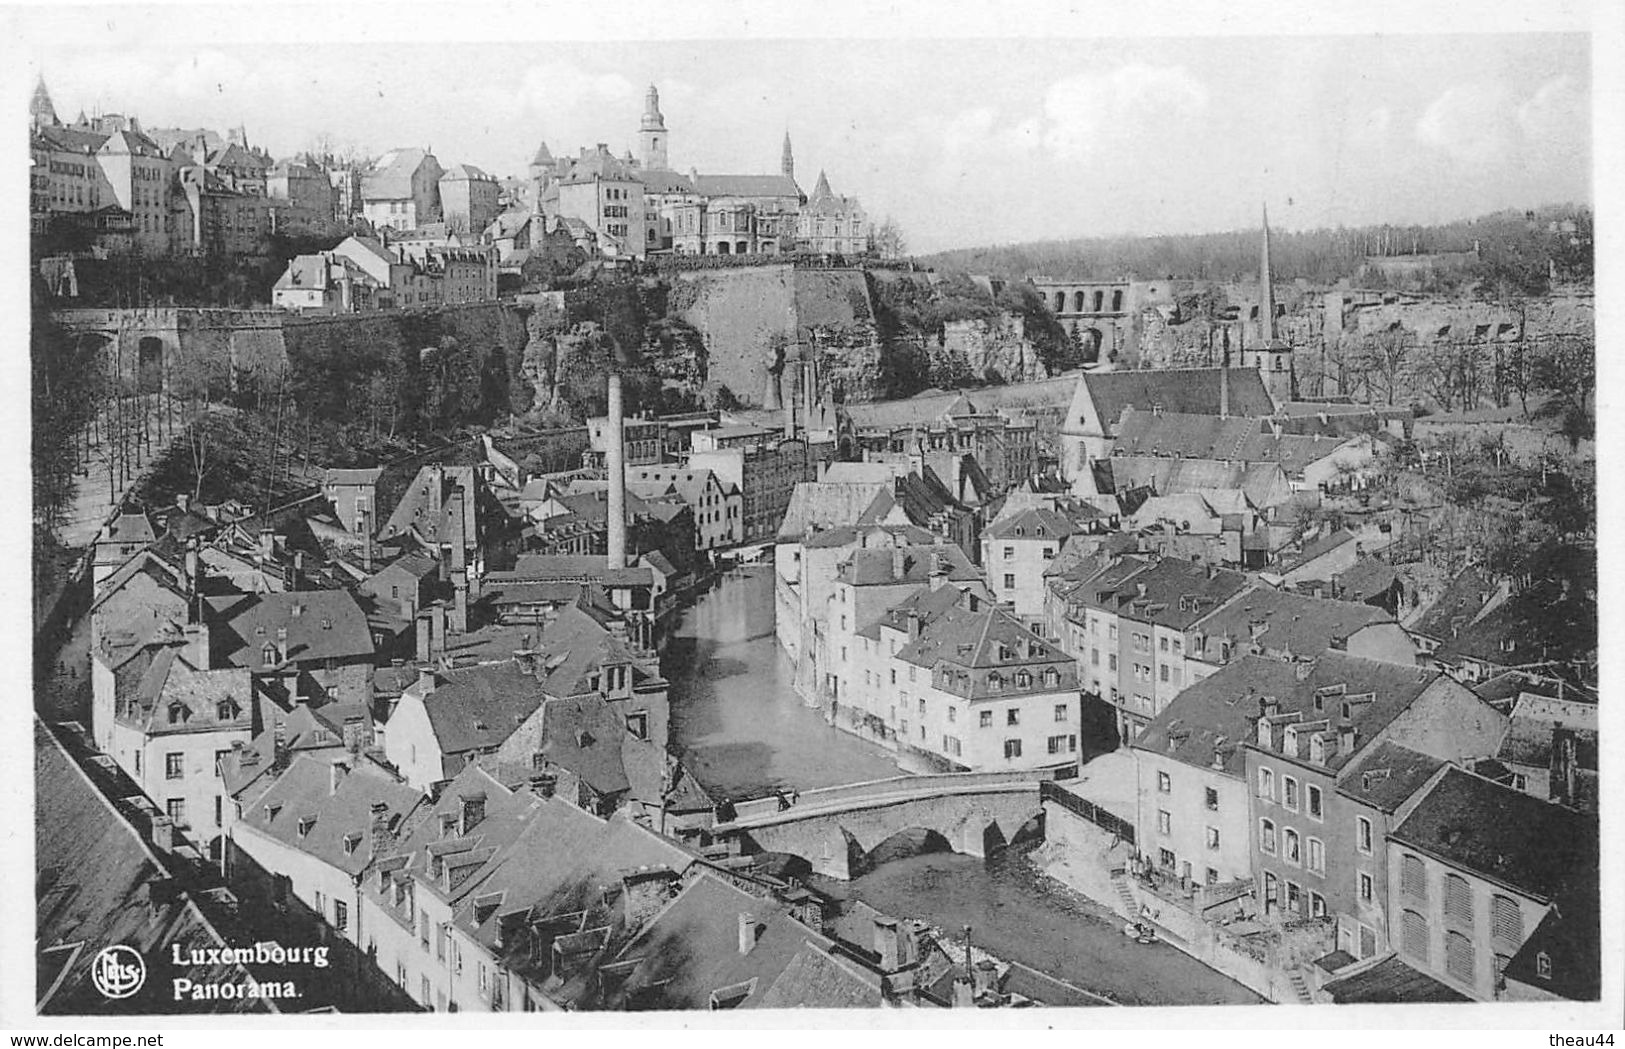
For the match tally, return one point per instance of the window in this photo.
(1413, 877)
(1213, 837)
(1506, 920)
(341, 915)
(1012, 716)
(173, 768)
(1313, 793)
(1164, 671)
(1458, 901)
(423, 928)
(952, 715)
(1543, 965)
(440, 942)
(1165, 822)
(1266, 784)
(1166, 858)
(986, 720)
(223, 711)
(1009, 581)
(1212, 876)
(1289, 793)
(1366, 887)
(1459, 962)
(1060, 713)
(1012, 749)
(1057, 744)
(1317, 856)
(1294, 897)
(1272, 891)
(1317, 905)
(1362, 835)
(1212, 799)
(1165, 783)
(1291, 848)
(1266, 836)
(176, 807)
(1009, 554)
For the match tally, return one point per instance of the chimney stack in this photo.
(615, 466)
(888, 944)
(1346, 735)
(425, 636)
(787, 378)
(747, 932)
(335, 775)
(382, 836)
(163, 834)
(437, 635)
(279, 744)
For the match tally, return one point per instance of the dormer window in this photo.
(995, 682)
(1024, 679)
(1543, 965)
(305, 825)
(271, 812)
(224, 711)
(177, 713)
(350, 842)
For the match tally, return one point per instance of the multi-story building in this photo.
(1084, 616)
(212, 219)
(325, 283)
(718, 507)
(604, 193)
(977, 690)
(1474, 868)
(1264, 621)
(303, 198)
(402, 191)
(310, 645)
(1314, 847)
(1016, 551)
(832, 225)
(766, 470)
(468, 199)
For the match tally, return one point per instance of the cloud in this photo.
(1558, 114)
(1081, 110)
(1469, 122)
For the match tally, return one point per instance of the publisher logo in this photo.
(118, 971)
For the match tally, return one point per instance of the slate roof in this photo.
(1179, 435)
(821, 504)
(746, 186)
(1388, 776)
(976, 640)
(845, 535)
(817, 978)
(306, 812)
(1177, 593)
(479, 707)
(391, 178)
(1295, 624)
(1570, 936)
(1370, 577)
(171, 686)
(928, 603)
(886, 565)
(1216, 714)
(661, 181)
(465, 172)
(1260, 482)
(1458, 605)
(1035, 523)
(1316, 548)
(1502, 834)
(97, 882)
(1391, 981)
(328, 625)
(1192, 391)
(539, 568)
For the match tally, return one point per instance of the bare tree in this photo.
(887, 241)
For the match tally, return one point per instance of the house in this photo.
(1016, 550)
(313, 645)
(718, 508)
(124, 536)
(402, 191)
(1289, 626)
(323, 825)
(1315, 846)
(325, 284)
(1474, 868)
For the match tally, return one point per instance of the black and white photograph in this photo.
(597, 510)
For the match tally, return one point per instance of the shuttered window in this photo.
(1415, 936)
(1458, 901)
(1506, 920)
(1458, 957)
(1413, 877)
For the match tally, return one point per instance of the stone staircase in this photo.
(1131, 906)
(1299, 988)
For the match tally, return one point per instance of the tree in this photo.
(1384, 356)
(1568, 372)
(887, 240)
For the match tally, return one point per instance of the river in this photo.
(744, 732)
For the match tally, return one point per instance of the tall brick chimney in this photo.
(615, 466)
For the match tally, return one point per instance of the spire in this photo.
(822, 189)
(1266, 292)
(652, 118)
(40, 109)
(787, 162)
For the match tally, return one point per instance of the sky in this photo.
(962, 140)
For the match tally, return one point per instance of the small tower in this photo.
(1266, 291)
(652, 133)
(787, 161)
(43, 114)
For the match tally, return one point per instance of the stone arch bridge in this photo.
(837, 829)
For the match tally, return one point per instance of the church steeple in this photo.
(1266, 291)
(652, 133)
(787, 162)
(40, 110)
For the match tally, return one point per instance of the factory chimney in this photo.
(616, 469)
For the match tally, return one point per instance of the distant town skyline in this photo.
(963, 142)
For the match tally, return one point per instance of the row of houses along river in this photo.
(744, 733)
